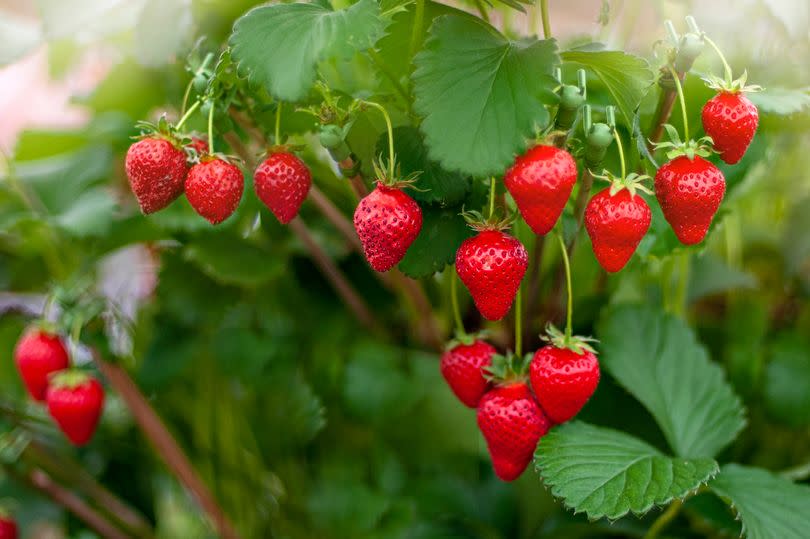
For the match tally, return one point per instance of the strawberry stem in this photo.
(726, 67)
(454, 302)
(682, 100)
(187, 115)
(390, 128)
(491, 197)
(190, 85)
(544, 17)
(211, 129)
(570, 306)
(278, 124)
(621, 151)
(519, 323)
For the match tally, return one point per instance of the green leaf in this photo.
(710, 275)
(626, 77)
(442, 232)
(787, 382)
(90, 215)
(280, 45)
(162, 30)
(781, 101)
(769, 506)
(657, 358)
(606, 473)
(481, 95)
(230, 261)
(434, 184)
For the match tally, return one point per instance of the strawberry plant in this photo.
(297, 270)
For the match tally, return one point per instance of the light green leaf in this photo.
(606, 473)
(89, 215)
(625, 76)
(769, 506)
(229, 261)
(787, 381)
(781, 101)
(279, 45)
(481, 95)
(434, 184)
(162, 29)
(657, 358)
(442, 232)
(709, 275)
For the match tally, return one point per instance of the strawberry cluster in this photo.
(74, 398)
(519, 399)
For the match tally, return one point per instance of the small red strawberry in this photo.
(690, 192)
(199, 144)
(731, 120)
(282, 182)
(8, 526)
(156, 169)
(540, 181)
(616, 219)
(463, 365)
(75, 401)
(510, 419)
(387, 222)
(492, 265)
(214, 188)
(564, 375)
(37, 355)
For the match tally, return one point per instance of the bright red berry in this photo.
(541, 181)
(8, 528)
(282, 182)
(37, 355)
(689, 192)
(462, 367)
(156, 169)
(731, 120)
(491, 265)
(512, 423)
(616, 224)
(563, 380)
(387, 222)
(75, 401)
(200, 145)
(214, 188)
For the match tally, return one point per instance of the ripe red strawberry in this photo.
(689, 192)
(563, 379)
(199, 144)
(512, 423)
(156, 169)
(463, 368)
(214, 188)
(8, 527)
(491, 265)
(731, 120)
(75, 401)
(541, 181)
(387, 221)
(37, 355)
(282, 182)
(616, 223)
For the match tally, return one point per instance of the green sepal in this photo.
(466, 339)
(731, 86)
(68, 378)
(478, 222)
(162, 130)
(577, 344)
(691, 148)
(632, 182)
(397, 182)
(508, 368)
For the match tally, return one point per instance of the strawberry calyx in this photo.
(68, 379)
(691, 148)
(508, 369)
(395, 180)
(632, 182)
(726, 85)
(162, 130)
(577, 344)
(465, 339)
(479, 223)
(282, 148)
(216, 156)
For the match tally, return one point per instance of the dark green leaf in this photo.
(481, 95)
(280, 45)
(657, 358)
(787, 381)
(606, 473)
(710, 275)
(443, 230)
(231, 261)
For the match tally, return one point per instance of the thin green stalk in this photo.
(211, 129)
(682, 100)
(726, 68)
(621, 151)
(188, 114)
(190, 85)
(482, 9)
(418, 23)
(664, 519)
(570, 306)
(683, 281)
(390, 128)
(454, 301)
(519, 323)
(277, 133)
(491, 197)
(544, 15)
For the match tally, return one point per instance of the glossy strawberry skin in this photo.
(616, 224)
(156, 170)
(37, 355)
(462, 367)
(77, 410)
(690, 193)
(8, 528)
(731, 120)
(214, 188)
(541, 181)
(282, 182)
(491, 265)
(563, 380)
(512, 423)
(387, 222)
